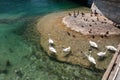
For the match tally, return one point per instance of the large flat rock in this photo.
(89, 24)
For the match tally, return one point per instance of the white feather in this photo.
(93, 44)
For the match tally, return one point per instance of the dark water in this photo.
(16, 59)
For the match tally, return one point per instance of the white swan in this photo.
(67, 49)
(112, 48)
(90, 58)
(52, 49)
(102, 54)
(50, 41)
(93, 44)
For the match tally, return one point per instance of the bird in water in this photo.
(68, 49)
(90, 58)
(111, 48)
(102, 54)
(93, 44)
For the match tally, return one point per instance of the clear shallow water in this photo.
(16, 52)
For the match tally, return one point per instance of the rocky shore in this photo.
(90, 24)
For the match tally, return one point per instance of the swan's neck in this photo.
(106, 51)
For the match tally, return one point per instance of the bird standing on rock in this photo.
(52, 49)
(77, 12)
(102, 54)
(90, 58)
(69, 14)
(93, 44)
(50, 41)
(83, 14)
(111, 48)
(68, 49)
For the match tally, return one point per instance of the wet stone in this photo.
(99, 24)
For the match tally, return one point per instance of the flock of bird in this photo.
(53, 50)
(89, 57)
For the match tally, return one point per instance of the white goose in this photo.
(67, 49)
(50, 41)
(112, 48)
(52, 49)
(90, 58)
(93, 44)
(102, 54)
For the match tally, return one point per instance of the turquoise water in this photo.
(18, 60)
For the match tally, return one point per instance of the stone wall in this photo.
(109, 8)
